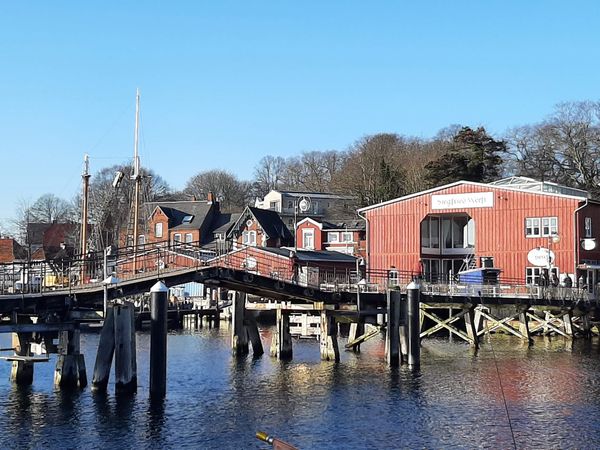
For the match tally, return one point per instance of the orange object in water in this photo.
(277, 444)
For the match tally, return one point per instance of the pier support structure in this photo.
(413, 323)
(158, 339)
(117, 338)
(70, 369)
(22, 370)
(328, 338)
(392, 334)
(281, 344)
(357, 329)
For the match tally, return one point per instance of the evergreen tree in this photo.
(473, 156)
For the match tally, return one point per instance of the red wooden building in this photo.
(518, 225)
(345, 236)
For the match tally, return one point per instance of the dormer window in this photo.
(187, 219)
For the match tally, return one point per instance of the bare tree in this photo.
(268, 174)
(231, 192)
(565, 148)
(49, 208)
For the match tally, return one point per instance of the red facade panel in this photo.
(394, 228)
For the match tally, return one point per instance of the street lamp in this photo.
(108, 281)
(552, 239)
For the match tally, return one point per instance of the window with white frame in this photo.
(549, 226)
(588, 227)
(308, 239)
(541, 226)
(141, 239)
(177, 237)
(249, 237)
(189, 238)
(346, 236)
(333, 237)
(533, 275)
(158, 230)
(393, 277)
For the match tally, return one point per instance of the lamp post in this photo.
(552, 239)
(108, 281)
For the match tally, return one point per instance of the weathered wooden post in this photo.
(472, 324)
(328, 338)
(125, 358)
(253, 334)
(22, 370)
(106, 349)
(70, 365)
(357, 329)
(281, 344)
(239, 333)
(392, 334)
(413, 298)
(158, 339)
(568, 323)
(524, 324)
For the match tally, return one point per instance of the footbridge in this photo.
(40, 304)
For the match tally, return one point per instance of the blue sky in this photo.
(225, 83)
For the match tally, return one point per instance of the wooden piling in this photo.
(357, 329)
(70, 365)
(158, 339)
(568, 324)
(125, 358)
(472, 319)
(239, 333)
(21, 372)
(328, 338)
(281, 343)
(104, 356)
(524, 325)
(253, 334)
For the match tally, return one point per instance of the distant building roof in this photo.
(313, 255)
(271, 223)
(11, 251)
(268, 220)
(184, 215)
(529, 184)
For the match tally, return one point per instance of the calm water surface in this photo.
(215, 401)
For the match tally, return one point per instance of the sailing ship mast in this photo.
(84, 213)
(137, 177)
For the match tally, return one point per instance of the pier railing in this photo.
(159, 258)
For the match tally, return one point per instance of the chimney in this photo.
(210, 197)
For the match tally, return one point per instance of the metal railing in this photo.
(159, 258)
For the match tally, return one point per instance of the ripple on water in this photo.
(456, 399)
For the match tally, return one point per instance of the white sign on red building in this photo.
(456, 201)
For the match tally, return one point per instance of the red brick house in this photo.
(347, 236)
(520, 226)
(260, 227)
(48, 241)
(180, 222)
(11, 251)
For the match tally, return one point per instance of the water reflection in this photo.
(214, 400)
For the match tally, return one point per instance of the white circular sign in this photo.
(540, 256)
(304, 204)
(588, 244)
(250, 263)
